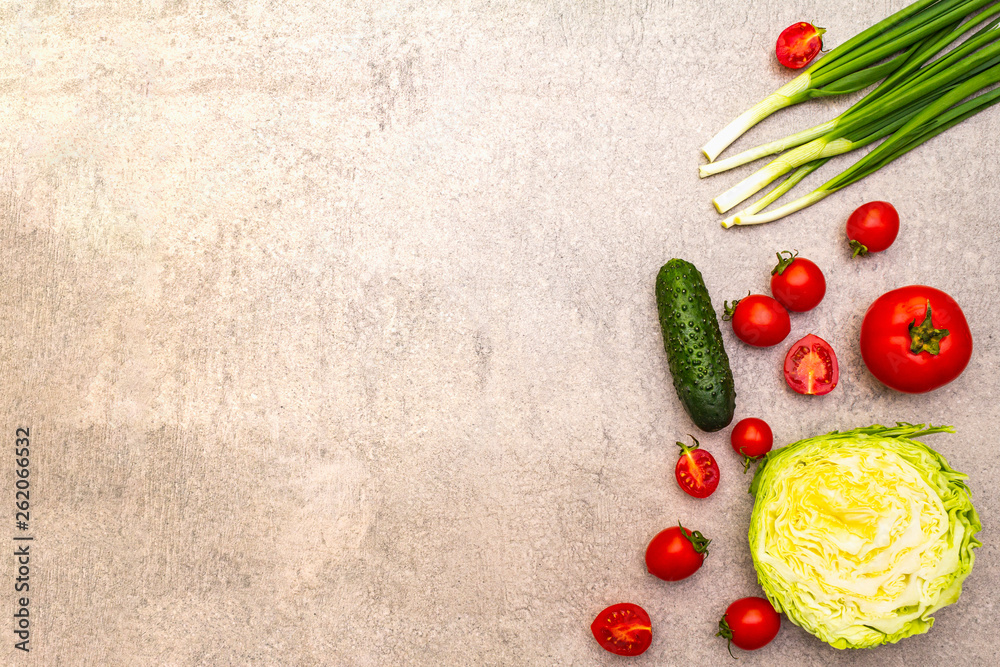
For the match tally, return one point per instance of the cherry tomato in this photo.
(915, 339)
(676, 553)
(797, 283)
(751, 438)
(811, 366)
(750, 623)
(872, 227)
(758, 320)
(696, 472)
(623, 629)
(798, 44)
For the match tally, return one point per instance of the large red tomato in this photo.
(915, 339)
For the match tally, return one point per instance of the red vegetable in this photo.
(872, 227)
(915, 339)
(750, 623)
(798, 44)
(697, 472)
(811, 366)
(623, 629)
(758, 320)
(797, 283)
(751, 438)
(676, 553)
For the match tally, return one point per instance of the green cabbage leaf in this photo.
(859, 536)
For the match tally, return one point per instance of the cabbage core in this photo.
(860, 536)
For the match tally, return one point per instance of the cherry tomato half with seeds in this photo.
(751, 438)
(697, 472)
(811, 366)
(915, 339)
(623, 629)
(798, 44)
(750, 623)
(758, 320)
(797, 283)
(676, 553)
(872, 227)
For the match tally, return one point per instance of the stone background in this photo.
(333, 324)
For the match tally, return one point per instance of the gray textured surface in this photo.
(334, 325)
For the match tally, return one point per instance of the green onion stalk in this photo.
(885, 115)
(776, 193)
(944, 113)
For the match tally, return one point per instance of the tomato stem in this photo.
(859, 248)
(924, 337)
(697, 540)
(784, 262)
(727, 314)
(726, 633)
(685, 450)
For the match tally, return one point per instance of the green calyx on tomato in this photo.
(924, 337)
(729, 311)
(858, 248)
(726, 633)
(697, 540)
(685, 450)
(784, 262)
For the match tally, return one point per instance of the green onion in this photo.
(918, 54)
(937, 117)
(852, 66)
(874, 121)
(778, 191)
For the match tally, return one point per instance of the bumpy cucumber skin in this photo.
(693, 341)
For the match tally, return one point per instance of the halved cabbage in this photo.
(860, 536)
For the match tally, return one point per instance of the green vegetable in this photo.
(860, 536)
(919, 98)
(693, 341)
(852, 65)
(872, 108)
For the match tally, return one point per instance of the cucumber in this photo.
(693, 341)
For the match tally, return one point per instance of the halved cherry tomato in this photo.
(915, 339)
(750, 623)
(751, 438)
(872, 227)
(623, 629)
(696, 471)
(758, 320)
(797, 283)
(676, 553)
(798, 44)
(811, 366)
